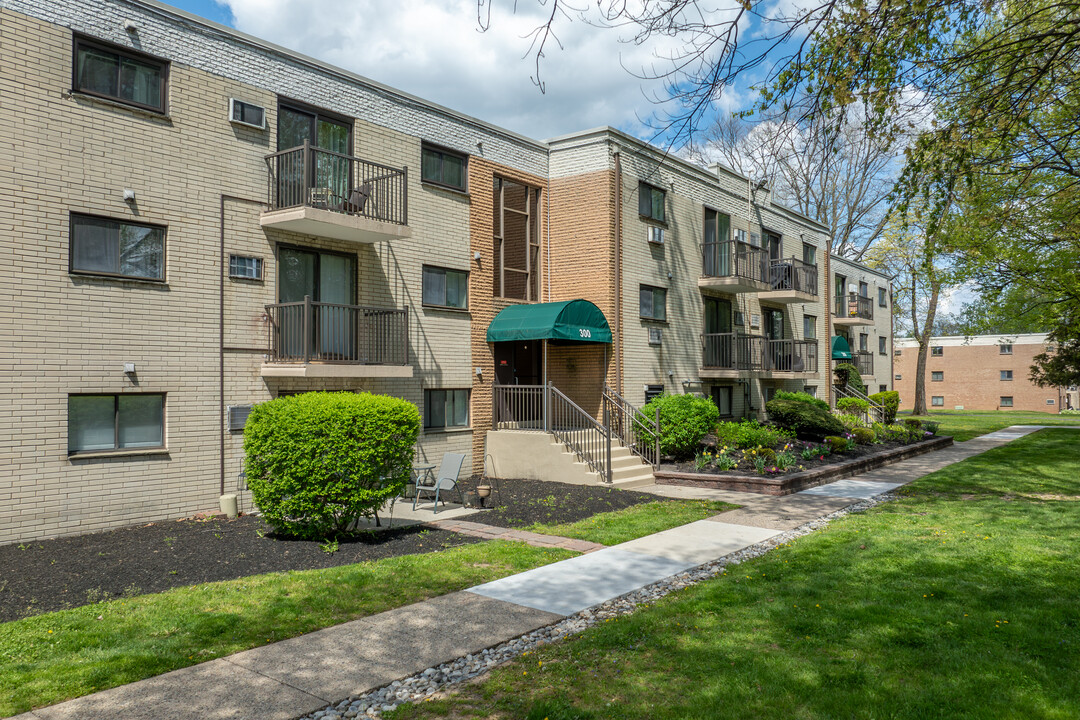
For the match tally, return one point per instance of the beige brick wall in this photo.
(69, 333)
(882, 327)
(971, 378)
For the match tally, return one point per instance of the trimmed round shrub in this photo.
(863, 436)
(684, 420)
(807, 421)
(848, 374)
(853, 406)
(836, 444)
(890, 400)
(801, 397)
(913, 423)
(317, 462)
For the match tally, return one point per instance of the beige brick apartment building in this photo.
(981, 372)
(862, 316)
(197, 221)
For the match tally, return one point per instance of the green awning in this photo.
(570, 321)
(840, 348)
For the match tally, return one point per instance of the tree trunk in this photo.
(924, 348)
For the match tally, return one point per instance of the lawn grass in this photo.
(56, 656)
(957, 600)
(965, 424)
(612, 528)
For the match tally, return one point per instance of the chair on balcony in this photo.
(445, 479)
(357, 200)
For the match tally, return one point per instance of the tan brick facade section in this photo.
(971, 374)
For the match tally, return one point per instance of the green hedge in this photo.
(854, 406)
(747, 434)
(890, 400)
(848, 375)
(684, 421)
(316, 462)
(801, 397)
(804, 419)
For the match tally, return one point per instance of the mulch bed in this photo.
(745, 468)
(517, 503)
(49, 575)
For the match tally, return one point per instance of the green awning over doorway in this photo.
(840, 348)
(570, 321)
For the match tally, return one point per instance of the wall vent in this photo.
(238, 415)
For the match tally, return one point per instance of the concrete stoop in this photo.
(537, 455)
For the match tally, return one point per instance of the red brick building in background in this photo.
(981, 372)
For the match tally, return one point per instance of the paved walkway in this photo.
(296, 677)
(493, 532)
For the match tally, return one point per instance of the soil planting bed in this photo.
(48, 575)
(844, 465)
(517, 503)
(818, 460)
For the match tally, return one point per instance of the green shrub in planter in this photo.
(848, 374)
(931, 427)
(850, 422)
(747, 434)
(318, 461)
(804, 419)
(913, 423)
(836, 444)
(854, 406)
(801, 397)
(863, 436)
(684, 420)
(767, 453)
(890, 400)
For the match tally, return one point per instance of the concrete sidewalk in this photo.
(296, 677)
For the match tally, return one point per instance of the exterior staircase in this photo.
(537, 455)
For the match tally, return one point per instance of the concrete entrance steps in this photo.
(537, 455)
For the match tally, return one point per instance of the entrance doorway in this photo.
(518, 363)
(329, 172)
(719, 340)
(329, 279)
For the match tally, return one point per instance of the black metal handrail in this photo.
(328, 332)
(307, 176)
(638, 432)
(852, 305)
(735, 259)
(793, 274)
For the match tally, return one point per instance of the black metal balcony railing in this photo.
(326, 332)
(734, 259)
(864, 360)
(793, 274)
(854, 306)
(313, 177)
(728, 351)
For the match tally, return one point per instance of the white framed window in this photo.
(1005, 349)
(244, 267)
(446, 409)
(937, 400)
(1006, 401)
(1006, 375)
(99, 423)
(937, 350)
(937, 376)
(809, 323)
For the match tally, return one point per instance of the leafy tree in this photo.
(1060, 368)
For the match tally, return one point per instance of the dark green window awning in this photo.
(570, 321)
(840, 349)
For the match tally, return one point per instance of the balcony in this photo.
(314, 339)
(734, 267)
(864, 360)
(792, 281)
(852, 309)
(727, 355)
(318, 192)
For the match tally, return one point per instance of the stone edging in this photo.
(787, 484)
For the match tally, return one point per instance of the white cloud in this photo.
(435, 50)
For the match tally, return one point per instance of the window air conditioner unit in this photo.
(245, 113)
(238, 415)
(656, 235)
(755, 239)
(738, 235)
(655, 336)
